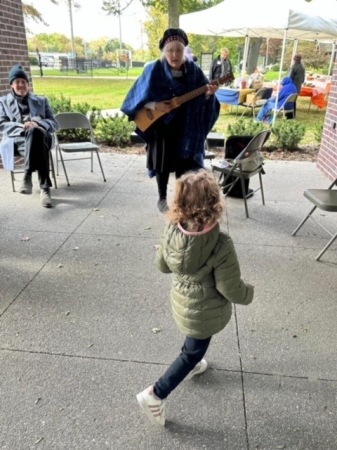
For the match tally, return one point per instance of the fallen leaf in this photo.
(39, 440)
(156, 330)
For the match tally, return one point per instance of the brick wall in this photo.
(13, 43)
(327, 157)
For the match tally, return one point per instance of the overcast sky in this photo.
(90, 22)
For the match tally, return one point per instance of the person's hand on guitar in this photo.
(164, 107)
(211, 89)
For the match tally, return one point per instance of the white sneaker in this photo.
(26, 185)
(198, 369)
(45, 198)
(153, 406)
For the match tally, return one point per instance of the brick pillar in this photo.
(13, 43)
(327, 156)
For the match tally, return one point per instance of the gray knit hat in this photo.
(17, 71)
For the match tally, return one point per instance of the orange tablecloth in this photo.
(306, 91)
(318, 95)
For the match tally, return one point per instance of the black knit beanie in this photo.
(17, 71)
(173, 34)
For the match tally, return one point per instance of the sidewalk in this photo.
(80, 298)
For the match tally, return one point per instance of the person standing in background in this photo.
(297, 75)
(221, 65)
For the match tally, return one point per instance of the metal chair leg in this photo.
(326, 247)
(303, 221)
(52, 168)
(100, 164)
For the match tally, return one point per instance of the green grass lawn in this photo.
(110, 93)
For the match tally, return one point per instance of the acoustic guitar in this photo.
(145, 117)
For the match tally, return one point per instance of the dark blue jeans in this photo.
(35, 147)
(192, 352)
(183, 166)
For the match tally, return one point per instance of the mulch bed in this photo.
(307, 153)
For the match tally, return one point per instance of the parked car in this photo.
(47, 61)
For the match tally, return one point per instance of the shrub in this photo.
(318, 131)
(244, 127)
(114, 130)
(63, 104)
(288, 133)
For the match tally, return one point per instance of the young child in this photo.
(206, 280)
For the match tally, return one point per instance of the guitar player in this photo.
(174, 108)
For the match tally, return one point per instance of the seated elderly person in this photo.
(26, 124)
(256, 79)
(287, 87)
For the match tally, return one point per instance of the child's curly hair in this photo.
(196, 200)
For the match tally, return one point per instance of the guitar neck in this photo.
(190, 95)
(201, 90)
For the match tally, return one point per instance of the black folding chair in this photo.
(248, 163)
(326, 200)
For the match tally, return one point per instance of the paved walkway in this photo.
(80, 299)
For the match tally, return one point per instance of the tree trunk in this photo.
(173, 13)
(253, 54)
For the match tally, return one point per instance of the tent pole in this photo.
(333, 49)
(245, 55)
(280, 73)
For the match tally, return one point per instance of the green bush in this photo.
(63, 104)
(318, 131)
(114, 130)
(288, 133)
(244, 127)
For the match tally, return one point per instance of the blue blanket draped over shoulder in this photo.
(157, 84)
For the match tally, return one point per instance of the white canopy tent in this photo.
(265, 18)
(285, 19)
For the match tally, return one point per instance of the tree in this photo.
(171, 7)
(31, 13)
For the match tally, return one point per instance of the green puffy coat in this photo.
(206, 279)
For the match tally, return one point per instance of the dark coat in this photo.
(297, 74)
(216, 68)
(11, 122)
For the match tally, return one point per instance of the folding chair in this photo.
(291, 99)
(256, 100)
(75, 121)
(20, 169)
(326, 200)
(248, 163)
